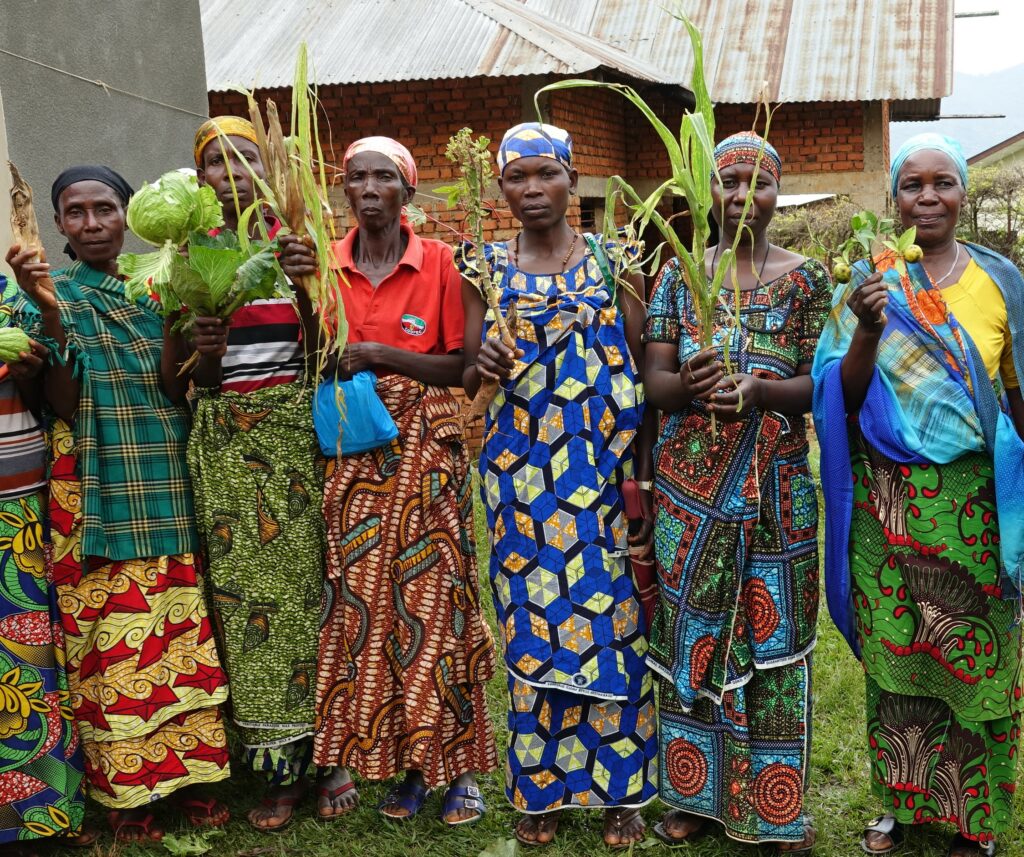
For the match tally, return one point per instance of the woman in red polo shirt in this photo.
(404, 650)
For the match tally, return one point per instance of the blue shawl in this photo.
(921, 406)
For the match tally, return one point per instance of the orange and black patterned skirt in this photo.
(404, 649)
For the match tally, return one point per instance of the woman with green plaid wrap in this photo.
(142, 666)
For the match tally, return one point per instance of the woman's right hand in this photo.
(33, 277)
(701, 375)
(868, 303)
(495, 360)
(31, 362)
(297, 258)
(210, 336)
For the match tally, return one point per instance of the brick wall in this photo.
(610, 135)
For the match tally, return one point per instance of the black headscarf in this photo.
(90, 173)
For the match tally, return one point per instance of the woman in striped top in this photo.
(257, 478)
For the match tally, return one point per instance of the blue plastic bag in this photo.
(365, 423)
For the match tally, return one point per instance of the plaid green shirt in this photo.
(130, 439)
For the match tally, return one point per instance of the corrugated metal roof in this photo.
(797, 50)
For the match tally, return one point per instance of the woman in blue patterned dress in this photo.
(558, 442)
(736, 526)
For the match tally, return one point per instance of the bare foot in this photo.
(961, 846)
(336, 794)
(134, 825)
(538, 829)
(805, 844)
(276, 809)
(623, 825)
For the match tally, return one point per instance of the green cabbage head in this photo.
(170, 208)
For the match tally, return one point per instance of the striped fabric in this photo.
(22, 449)
(264, 347)
(129, 438)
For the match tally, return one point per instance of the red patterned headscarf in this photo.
(746, 148)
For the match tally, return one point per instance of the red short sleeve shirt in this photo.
(417, 307)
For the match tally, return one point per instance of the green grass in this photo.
(839, 799)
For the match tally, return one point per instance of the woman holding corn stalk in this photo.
(736, 524)
(257, 478)
(143, 671)
(404, 649)
(919, 411)
(559, 440)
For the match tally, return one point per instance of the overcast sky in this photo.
(984, 45)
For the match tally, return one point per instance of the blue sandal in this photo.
(407, 796)
(463, 797)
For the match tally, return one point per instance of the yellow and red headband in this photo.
(229, 126)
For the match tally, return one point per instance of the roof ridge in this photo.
(512, 13)
(493, 9)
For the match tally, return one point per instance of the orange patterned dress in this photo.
(404, 649)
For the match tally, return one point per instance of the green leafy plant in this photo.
(472, 157)
(191, 844)
(193, 273)
(869, 234)
(692, 167)
(295, 190)
(13, 341)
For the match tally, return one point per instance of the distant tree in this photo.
(815, 230)
(994, 214)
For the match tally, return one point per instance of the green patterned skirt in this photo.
(941, 647)
(258, 481)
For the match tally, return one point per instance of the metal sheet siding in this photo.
(805, 50)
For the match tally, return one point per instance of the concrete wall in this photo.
(52, 120)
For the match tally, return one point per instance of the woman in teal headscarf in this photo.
(918, 408)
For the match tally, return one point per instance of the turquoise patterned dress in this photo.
(557, 446)
(737, 558)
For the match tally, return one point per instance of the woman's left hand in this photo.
(359, 356)
(645, 535)
(735, 403)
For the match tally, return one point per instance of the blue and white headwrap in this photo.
(535, 140)
(931, 142)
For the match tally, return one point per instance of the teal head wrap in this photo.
(928, 142)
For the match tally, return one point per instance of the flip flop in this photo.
(288, 802)
(887, 825)
(662, 835)
(407, 796)
(463, 797)
(200, 812)
(331, 795)
(145, 824)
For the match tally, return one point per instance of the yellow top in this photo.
(976, 302)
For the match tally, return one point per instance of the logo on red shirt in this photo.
(413, 325)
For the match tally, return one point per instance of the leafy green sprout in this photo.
(692, 165)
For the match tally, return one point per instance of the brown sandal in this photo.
(543, 822)
(618, 818)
